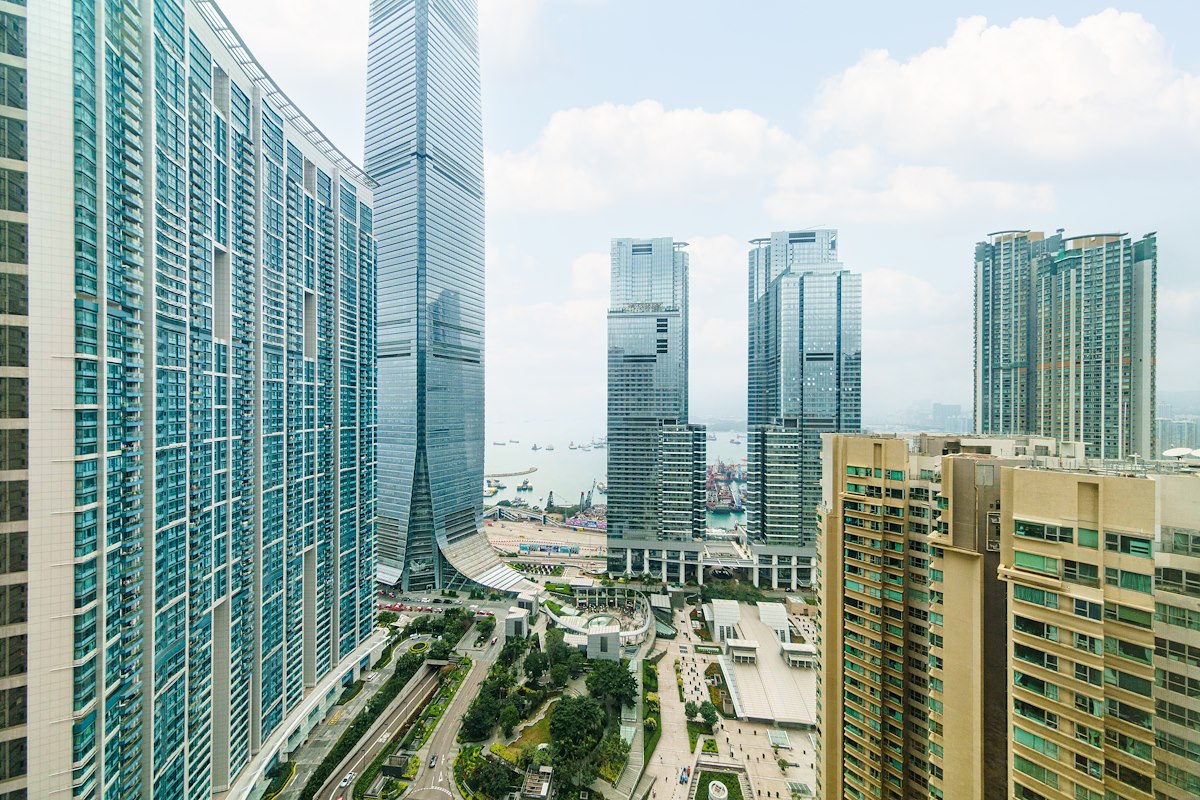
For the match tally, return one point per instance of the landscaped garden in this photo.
(728, 778)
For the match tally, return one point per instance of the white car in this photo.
(346, 780)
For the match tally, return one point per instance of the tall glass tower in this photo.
(804, 376)
(655, 459)
(187, 455)
(424, 147)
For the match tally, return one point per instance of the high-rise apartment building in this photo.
(913, 642)
(805, 379)
(656, 460)
(1103, 569)
(1065, 339)
(424, 146)
(188, 382)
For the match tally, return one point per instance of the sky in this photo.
(914, 128)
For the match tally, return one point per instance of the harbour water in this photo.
(568, 472)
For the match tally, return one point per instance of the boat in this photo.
(535, 447)
(499, 444)
(572, 446)
(549, 447)
(525, 486)
(514, 441)
(495, 483)
(490, 491)
(721, 500)
(712, 437)
(602, 488)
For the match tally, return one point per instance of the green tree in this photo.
(690, 709)
(559, 674)
(485, 626)
(441, 650)
(611, 683)
(386, 618)
(492, 778)
(509, 717)
(535, 665)
(709, 712)
(556, 650)
(575, 727)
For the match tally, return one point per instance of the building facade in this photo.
(189, 381)
(1065, 339)
(913, 647)
(424, 147)
(804, 380)
(1103, 568)
(655, 458)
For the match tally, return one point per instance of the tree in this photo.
(492, 778)
(709, 712)
(783, 765)
(611, 683)
(575, 727)
(690, 709)
(509, 717)
(386, 618)
(535, 665)
(652, 701)
(485, 626)
(559, 674)
(556, 650)
(441, 650)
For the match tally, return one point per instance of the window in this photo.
(1082, 573)
(1028, 594)
(1088, 674)
(1035, 742)
(1136, 581)
(1116, 612)
(1128, 544)
(1087, 609)
(1089, 538)
(1048, 533)
(1129, 650)
(1035, 771)
(1035, 562)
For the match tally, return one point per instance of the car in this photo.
(346, 780)
(433, 761)
(493, 640)
(424, 599)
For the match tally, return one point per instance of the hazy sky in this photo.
(912, 128)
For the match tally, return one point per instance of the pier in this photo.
(529, 471)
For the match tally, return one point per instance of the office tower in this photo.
(655, 459)
(424, 146)
(1065, 339)
(913, 645)
(189, 272)
(1103, 569)
(1175, 433)
(804, 380)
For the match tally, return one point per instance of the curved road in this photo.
(431, 783)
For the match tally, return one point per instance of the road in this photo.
(439, 780)
(405, 704)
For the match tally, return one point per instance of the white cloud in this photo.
(585, 159)
(1034, 87)
(508, 32)
(590, 274)
(857, 185)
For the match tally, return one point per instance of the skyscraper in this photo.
(805, 321)
(424, 147)
(188, 392)
(914, 638)
(1103, 572)
(655, 459)
(1065, 339)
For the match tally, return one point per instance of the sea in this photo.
(568, 472)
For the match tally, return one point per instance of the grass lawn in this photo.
(728, 778)
(695, 731)
(710, 746)
(538, 733)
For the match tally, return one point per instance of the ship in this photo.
(722, 500)
(535, 447)
(490, 491)
(602, 488)
(572, 446)
(499, 444)
(549, 447)
(712, 437)
(525, 486)
(514, 441)
(495, 483)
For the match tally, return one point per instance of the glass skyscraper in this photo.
(188, 399)
(655, 459)
(804, 376)
(1065, 339)
(424, 147)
